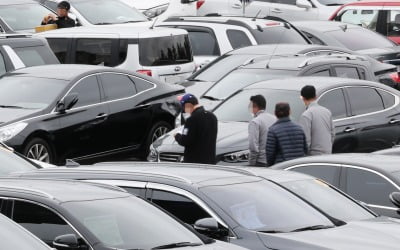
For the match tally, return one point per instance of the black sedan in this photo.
(256, 208)
(57, 112)
(369, 178)
(366, 116)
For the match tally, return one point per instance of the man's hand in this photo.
(49, 17)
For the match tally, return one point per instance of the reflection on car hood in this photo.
(8, 115)
(196, 88)
(232, 137)
(380, 233)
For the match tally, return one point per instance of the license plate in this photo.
(172, 79)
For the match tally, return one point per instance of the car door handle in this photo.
(237, 6)
(348, 130)
(394, 121)
(276, 10)
(102, 116)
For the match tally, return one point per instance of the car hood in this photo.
(9, 115)
(145, 5)
(380, 233)
(196, 88)
(232, 137)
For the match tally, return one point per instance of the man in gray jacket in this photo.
(258, 130)
(317, 124)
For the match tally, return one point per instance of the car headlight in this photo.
(8, 132)
(156, 11)
(153, 154)
(237, 157)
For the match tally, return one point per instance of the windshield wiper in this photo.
(11, 107)
(104, 23)
(333, 4)
(179, 244)
(271, 232)
(211, 98)
(316, 227)
(132, 21)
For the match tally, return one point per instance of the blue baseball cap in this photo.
(188, 98)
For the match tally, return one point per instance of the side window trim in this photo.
(337, 176)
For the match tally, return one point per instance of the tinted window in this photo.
(178, 205)
(369, 187)
(366, 39)
(388, 99)
(42, 222)
(278, 34)
(165, 51)
(51, 5)
(365, 18)
(117, 86)
(323, 172)
(314, 39)
(3, 69)
(23, 16)
(88, 91)
(94, 51)
(140, 192)
(30, 56)
(364, 100)
(393, 26)
(334, 101)
(60, 48)
(347, 72)
(238, 39)
(141, 85)
(203, 43)
(325, 72)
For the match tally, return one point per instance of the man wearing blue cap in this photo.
(199, 135)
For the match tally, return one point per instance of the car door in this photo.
(373, 118)
(128, 122)
(371, 188)
(81, 129)
(324, 171)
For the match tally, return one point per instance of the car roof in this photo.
(375, 3)
(13, 2)
(133, 32)
(323, 26)
(60, 190)
(266, 49)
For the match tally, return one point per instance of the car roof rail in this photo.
(213, 14)
(347, 57)
(28, 190)
(14, 35)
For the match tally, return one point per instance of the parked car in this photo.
(288, 9)
(162, 53)
(55, 112)
(255, 208)
(22, 15)
(353, 37)
(389, 151)
(20, 51)
(366, 117)
(213, 36)
(100, 12)
(380, 16)
(13, 236)
(101, 218)
(162, 9)
(12, 161)
(4, 27)
(262, 69)
(369, 178)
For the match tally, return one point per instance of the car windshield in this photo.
(366, 39)
(241, 78)
(236, 107)
(13, 236)
(23, 16)
(107, 12)
(29, 92)
(328, 200)
(11, 162)
(264, 206)
(334, 2)
(277, 35)
(129, 223)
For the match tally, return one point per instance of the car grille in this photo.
(171, 157)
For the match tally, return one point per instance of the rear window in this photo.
(163, 51)
(34, 56)
(279, 34)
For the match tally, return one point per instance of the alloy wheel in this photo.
(39, 152)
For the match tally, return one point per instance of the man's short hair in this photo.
(308, 92)
(64, 5)
(282, 109)
(259, 101)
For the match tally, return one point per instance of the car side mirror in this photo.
(305, 4)
(395, 198)
(66, 242)
(67, 102)
(209, 227)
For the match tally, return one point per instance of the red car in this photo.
(380, 16)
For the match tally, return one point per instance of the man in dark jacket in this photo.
(286, 140)
(62, 19)
(199, 135)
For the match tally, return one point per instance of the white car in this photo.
(162, 9)
(291, 10)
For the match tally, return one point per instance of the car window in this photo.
(40, 221)
(203, 43)
(364, 100)
(335, 102)
(141, 85)
(51, 5)
(314, 39)
(238, 38)
(323, 172)
(117, 86)
(60, 48)
(363, 17)
(140, 192)
(3, 69)
(368, 187)
(94, 51)
(88, 91)
(23, 16)
(325, 72)
(347, 72)
(278, 34)
(393, 25)
(178, 205)
(30, 56)
(388, 99)
(290, 2)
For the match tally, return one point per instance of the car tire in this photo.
(40, 150)
(159, 128)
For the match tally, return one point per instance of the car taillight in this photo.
(200, 3)
(395, 77)
(145, 72)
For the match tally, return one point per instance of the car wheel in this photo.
(159, 129)
(39, 149)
